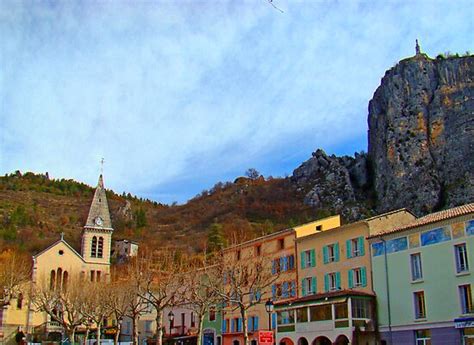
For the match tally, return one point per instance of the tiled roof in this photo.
(431, 218)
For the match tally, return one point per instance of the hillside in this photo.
(420, 154)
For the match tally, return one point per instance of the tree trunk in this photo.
(86, 335)
(243, 313)
(159, 327)
(135, 329)
(117, 335)
(98, 332)
(199, 332)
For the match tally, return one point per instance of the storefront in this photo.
(466, 326)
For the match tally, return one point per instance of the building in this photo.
(335, 302)
(124, 249)
(279, 249)
(56, 265)
(423, 278)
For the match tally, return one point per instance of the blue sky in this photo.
(178, 95)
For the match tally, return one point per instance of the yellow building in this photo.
(58, 263)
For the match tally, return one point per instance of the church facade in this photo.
(57, 265)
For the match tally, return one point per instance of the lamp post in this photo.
(171, 318)
(269, 308)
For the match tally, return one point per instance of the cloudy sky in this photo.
(177, 95)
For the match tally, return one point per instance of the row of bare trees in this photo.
(152, 282)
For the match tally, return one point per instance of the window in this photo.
(357, 277)
(423, 337)
(258, 250)
(355, 247)
(332, 281)
(319, 227)
(148, 326)
(361, 308)
(341, 310)
(331, 253)
(92, 276)
(419, 300)
(461, 258)
(320, 312)
(302, 314)
(52, 280)
(281, 243)
(416, 271)
(308, 258)
(225, 325)
(94, 247)
(253, 323)
(100, 248)
(285, 317)
(19, 301)
(291, 262)
(97, 276)
(308, 286)
(238, 255)
(212, 314)
(193, 320)
(465, 295)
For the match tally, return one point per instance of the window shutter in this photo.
(361, 246)
(313, 258)
(363, 274)
(274, 320)
(282, 264)
(239, 325)
(303, 260)
(303, 287)
(313, 284)
(350, 278)
(293, 288)
(232, 325)
(291, 262)
(336, 252)
(349, 249)
(274, 266)
(326, 282)
(325, 254)
(224, 326)
(285, 289)
(338, 280)
(274, 291)
(285, 263)
(258, 295)
(255, 323)
(249, 324)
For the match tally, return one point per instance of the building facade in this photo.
(423, 279)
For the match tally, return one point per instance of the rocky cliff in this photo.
(421, 147)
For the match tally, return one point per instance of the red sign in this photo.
(265, 337)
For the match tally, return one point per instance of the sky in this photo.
(178, 95)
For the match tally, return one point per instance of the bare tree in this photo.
(120, 297)
(15, 273)
(244, 283)
(96, 306)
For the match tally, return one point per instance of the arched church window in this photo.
(59, 278)
(100, 248)
(94, 247)
(52, 280)
(65, 280)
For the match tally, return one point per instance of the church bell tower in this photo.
(97, 233)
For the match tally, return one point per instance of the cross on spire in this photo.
(102, 166)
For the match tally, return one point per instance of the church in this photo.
(58, 263)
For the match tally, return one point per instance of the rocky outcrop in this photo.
(421, 122)
(421, 147)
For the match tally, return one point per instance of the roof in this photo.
(327, 295)
(431, 218)
(99, 208)
(55, 243)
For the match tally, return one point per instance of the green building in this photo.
(423, 275)
(211, 328)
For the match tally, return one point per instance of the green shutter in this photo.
(325, 254)
(303, 288)
(338, 280)
(336, 252)
(350, 273)
(361, 246)
(313, 285)
(326, 282)
(349, 249)
(303, 260)
(363, 274)
(313, 258)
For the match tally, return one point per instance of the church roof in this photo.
(99, 209)
(61, 240)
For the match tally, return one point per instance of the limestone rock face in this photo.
(421, 121)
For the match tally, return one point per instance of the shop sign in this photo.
(265, 337)
(464, 322)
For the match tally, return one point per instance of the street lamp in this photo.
(171, 318)
(269, 308)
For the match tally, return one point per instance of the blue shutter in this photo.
(325, 254)
(291, 262)
(313, 258)
(349, 249)
(224, 326)
(326, 282)
(250, 324)
(338, 280)
(350, 279)
(239, 324)
(255, 323)
(303, 260)
(336, 252)
(258, 296)
(274, 291)
(285, 289)
(303, 288)
(361, 246)
(313, 285)
(363, 274)
(285, 263)
(274, 271)
(274, 321)
(293, 288)
(232, 325)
